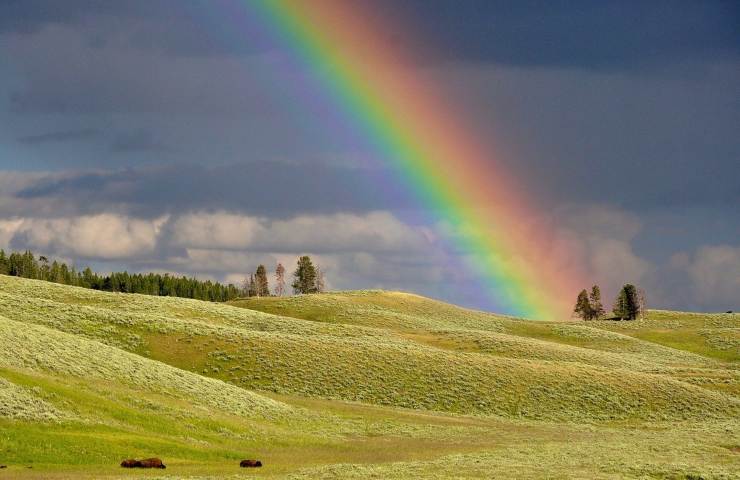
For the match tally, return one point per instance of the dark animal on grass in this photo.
(151, 463)
(146, 463)
(250, 463)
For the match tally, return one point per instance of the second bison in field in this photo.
(146, 463)
(250, 463)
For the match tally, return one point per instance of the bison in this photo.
(250, 463)
(146, 463)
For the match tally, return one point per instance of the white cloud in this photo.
(374, 231)
(105, 235)
(214, 230)
(341, 232)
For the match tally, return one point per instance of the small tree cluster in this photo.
(257, 284)
(588, 306)
(307, 278)
(629, 305)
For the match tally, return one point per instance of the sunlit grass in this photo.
(356, 385)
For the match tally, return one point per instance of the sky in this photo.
(162, 135)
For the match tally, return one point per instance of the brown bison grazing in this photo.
(146, 463)
(151, 463)
(250, 463)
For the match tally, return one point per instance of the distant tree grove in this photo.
(629, 305)
(308, 279)
(28, 266)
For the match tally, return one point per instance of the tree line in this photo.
(629, 304)
(27, 265)
(307, 278)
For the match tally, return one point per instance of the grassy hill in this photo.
(357, 384)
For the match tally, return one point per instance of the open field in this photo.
(357, 385)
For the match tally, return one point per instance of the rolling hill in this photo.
(358, 384)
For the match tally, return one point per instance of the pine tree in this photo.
(279, 280)
(304, 276)
(4, 267)
(261, 286)
(627, 305)
(583, 307)
(597, 309)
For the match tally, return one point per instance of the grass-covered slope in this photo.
(88, 378)
(534, 379)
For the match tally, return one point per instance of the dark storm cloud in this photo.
(580, 33)
(137, 141)
(270, 189)
(64, 136)
(576, 33)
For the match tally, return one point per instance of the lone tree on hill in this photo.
(627, 304)
(304, 276)
(583, 307)
(261, 287)
(279, 280)
(597, 309)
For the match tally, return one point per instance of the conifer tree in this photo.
(3, 263)
(304, 276)
(583, 307)
(627, 305)
(261, 286)
(597, 309)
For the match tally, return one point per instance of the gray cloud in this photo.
(62, 136)
(262, 189)
(625, 34)
(714, 273)
(137, 141)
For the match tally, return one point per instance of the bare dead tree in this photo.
(642, 303)
(280, 280)
(320, 281)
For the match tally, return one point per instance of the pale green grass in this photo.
(711, 335)
(354, 385)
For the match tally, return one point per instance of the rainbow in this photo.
(428, 145)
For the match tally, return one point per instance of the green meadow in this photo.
(367, 384)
